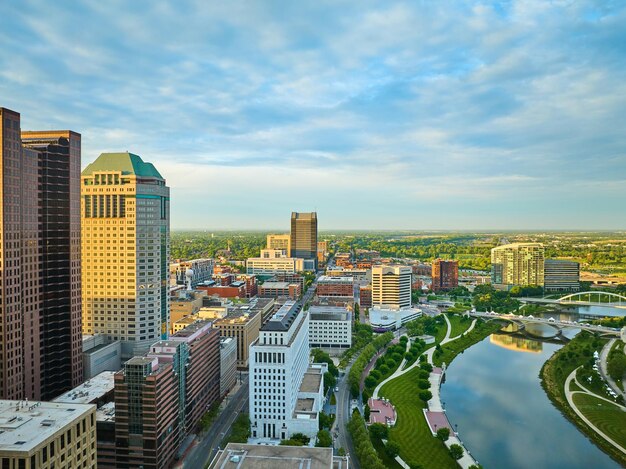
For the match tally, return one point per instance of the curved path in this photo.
(570, 400)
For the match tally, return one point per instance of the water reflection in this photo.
(494, 395)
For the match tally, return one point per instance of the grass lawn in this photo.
(452, 349)
(411, 432)
(459, 324)
(388, 461)
(607, 417)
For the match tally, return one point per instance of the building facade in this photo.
(335, 286)
(47, 435)
(280, 289)
(391, 286)
(195, 270)
(281, 242)
(228, 364)
(388, 319)
(125, 251)
(100, 354)
(285, 393)
(517, 264)
(272, 262)
(244, 327)
(330, 327)
(561, 276)
(304, 235)
(40, 311)
(445, 275)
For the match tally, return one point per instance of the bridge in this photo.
(521, 320)
(603, 298)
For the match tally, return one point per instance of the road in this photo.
(343, 416)
(203, 452)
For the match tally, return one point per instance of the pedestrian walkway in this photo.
(604, 355)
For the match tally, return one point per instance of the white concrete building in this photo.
(387, 319)
(100, 354)
(285, 392)
(330, 326)
(228, 364)
(272, 262)
(391, 286)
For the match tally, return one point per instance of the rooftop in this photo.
(304, 405)
(192, 329)
(106, 412)
(91, 390)
(328, 279)
(328, 313)
(283, 318)
(243, 456)
(276, 285)
(25, 425)
(127, 163)
(312, 380)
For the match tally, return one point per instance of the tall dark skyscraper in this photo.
(40, 309)
(304, 235)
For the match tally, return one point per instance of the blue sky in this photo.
(379, 115)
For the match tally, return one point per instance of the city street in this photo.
(342, 417)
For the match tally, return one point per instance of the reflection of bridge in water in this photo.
(605, 299)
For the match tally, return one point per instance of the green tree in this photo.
(301, 437)
(425, 396)
(456, 451)
(341, 451)
(392, 449)
(423, 384)
(378, 430)
(324, 439)
(443, 434)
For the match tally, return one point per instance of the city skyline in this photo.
(503, 115)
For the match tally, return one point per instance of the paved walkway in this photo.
(570, 400)
(604, 354)
(395, 374)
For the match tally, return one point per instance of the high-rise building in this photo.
(304, 235)
(279, 241)
(40, 309)
(391, 286)
(272, 262)
(285, 393)
(125, 251)
(561, 275)
(517, 264)
(445, 275)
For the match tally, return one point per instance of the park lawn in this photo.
(452, 349)
(607, 417)
(417, 445)
(387, 460)
(441, 332)
(459, 324)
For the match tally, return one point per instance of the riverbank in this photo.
(571, 398)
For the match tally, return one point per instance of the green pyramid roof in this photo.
(127, 163)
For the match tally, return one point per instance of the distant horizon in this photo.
(403, 230)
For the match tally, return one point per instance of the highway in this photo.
(205, 450)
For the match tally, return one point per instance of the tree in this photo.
(366, 412)
(425, 396)
(379, 430)
(341, 451)
(301, 437)
(324, 439)
(326, 421)
(329, 381)
(423, 384)
(443, 434)
(392, 449)
(456, 451)
(616, 365)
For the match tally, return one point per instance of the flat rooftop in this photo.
(328, 313)
(243, 456)
(276, 285)
(90, 391)
(304, 405)
(25, 425)
(283, 318)
(106, 412)
(312, 380)
(328, 279)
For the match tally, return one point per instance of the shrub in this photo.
(443, 434)
(456, 451)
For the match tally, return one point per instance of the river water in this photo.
(493, 393)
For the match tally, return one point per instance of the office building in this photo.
(285, 393)
(243, 325)
(517, 264)
(47, 435)
(280, 289)
(329, 327)
(365, 296)
(185, 303)
(561, 276)
(228, 364)
(356, 274)
(195, 270)
(273, 262)
(304, 235)
(147, 410)
(100, 354)
(40, 257)
(125, 251)
(445, 275)
(383, 318)
(335, 286)
(391, 286)
(280, 242)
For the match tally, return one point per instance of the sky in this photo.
(378, 115)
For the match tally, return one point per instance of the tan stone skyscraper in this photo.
(40, 318)
(125, 251)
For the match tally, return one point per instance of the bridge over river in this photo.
(588, 298)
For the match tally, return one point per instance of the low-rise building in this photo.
(46, 435)
(243, 325)
(356, 274)
(185, 303)
(272, 262)
(236, 289)
(365, 296)
(244, 456)
(329, 327)
(280, 289)
(194, 271)
(228, 364)
(388, 319)
(335, 286)
(100, 354)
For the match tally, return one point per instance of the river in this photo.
(493, 393)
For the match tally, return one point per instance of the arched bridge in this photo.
(602, 330)
(588, 298)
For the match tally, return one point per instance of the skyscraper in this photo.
(304, 235)
(279, 241)
(517, 264)
(125, 251)
(391, 286)
(445, 275)
(40, 338)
